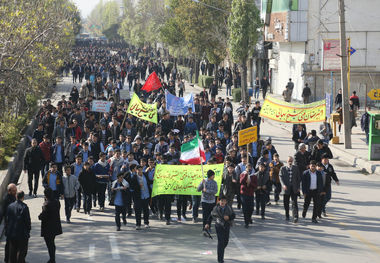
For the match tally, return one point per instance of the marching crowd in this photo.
(90, 159)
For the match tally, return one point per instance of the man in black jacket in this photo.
(302, 158)
(299, 136)
(18, 229)
(33, 161)
(140, 184)
(290, 181)
(319, 149)
(330, 174)
(9, 199)
(312, 188)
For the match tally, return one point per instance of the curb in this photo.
(365, 165)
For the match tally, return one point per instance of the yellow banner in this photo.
(247, 136)
(142, 110)
(293, 113)
(183, 179)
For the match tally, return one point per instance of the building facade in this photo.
(304, 36)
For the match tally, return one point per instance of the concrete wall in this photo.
(290, 60)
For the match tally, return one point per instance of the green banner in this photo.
(142, 110)
(183, 179)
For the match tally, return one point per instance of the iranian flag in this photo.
(193, 152)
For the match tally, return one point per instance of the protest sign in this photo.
(142, 110)
(293, 113)
(125, 94)
(247, 136)
(101, 106)
(183, 179)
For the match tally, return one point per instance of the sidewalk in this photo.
(356, 157)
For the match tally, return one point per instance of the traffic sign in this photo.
(374, 94)
(352, 51)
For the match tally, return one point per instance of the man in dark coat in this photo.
(364, 124)
(213, 89)
(50, 222)
(299, 136)
(18, 229)
(302, 158)
(290, 181)
(306, 93)
(319, 149)
(33, 161)
(312, 188)
(9, 199)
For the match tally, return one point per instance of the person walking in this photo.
(209, 188)
(53, 180)
(8, 199)
(102, 173)
(263, 184)
(18, 227)
(257, 88)
(306, 93)
(299, 136)
(364, 124)
(224, 216)
(119, 199)
(330, 175)
(87, 182)
(264, 86)
(50, 222)
(33, 161)
(248, 184)
(274, 171)
(290, 181)
(312, 187)
(213, 89)
(338, 99)
(141, 195)
(70, 188)
(229, 184)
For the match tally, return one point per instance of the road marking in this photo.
(240, 246)
(91, 252)
(114, 247)
(356, 235)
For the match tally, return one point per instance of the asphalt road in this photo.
(350, 233)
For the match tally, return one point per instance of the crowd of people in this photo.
(90, 159)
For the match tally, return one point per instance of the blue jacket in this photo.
(101, 170)
(190, 128)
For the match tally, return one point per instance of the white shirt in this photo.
(313, 180)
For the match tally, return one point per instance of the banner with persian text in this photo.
(142, 110)
(281, 111)
(183, 179)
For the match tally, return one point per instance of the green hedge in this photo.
(205, 81)
(236, 94)
(12, 128)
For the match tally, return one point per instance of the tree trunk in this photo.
(216, 72)
(196, 70)
(243, 72)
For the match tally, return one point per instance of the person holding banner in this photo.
(209, 188)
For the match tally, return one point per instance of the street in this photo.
(350, 233)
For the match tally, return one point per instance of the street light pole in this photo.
(344, 80)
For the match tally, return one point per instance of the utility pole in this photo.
(344, 81)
